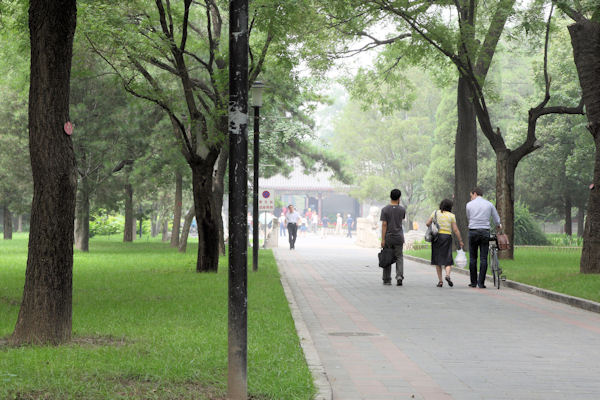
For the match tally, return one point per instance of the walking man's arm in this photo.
(383, 231)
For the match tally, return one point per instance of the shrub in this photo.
(562, 239)
(527, 230)
(101, 223)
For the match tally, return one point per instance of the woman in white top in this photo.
(441, 247)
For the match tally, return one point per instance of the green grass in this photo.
(147, 326)
(550, 268)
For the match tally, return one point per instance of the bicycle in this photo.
(493, 261)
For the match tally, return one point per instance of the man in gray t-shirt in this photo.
(392, 235)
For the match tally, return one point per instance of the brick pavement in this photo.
(422, 342)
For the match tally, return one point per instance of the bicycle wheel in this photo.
(495, 268)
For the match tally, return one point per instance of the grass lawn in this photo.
(550, 268)
(147, 326)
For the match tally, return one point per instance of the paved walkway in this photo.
(422, 342)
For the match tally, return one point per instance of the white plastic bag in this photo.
(461, 258)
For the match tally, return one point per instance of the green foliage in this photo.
(384, 150)
(105, 224)
(562, 239)
(527, 230)
(142, 331)
(439, 179)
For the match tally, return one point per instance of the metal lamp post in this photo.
(257, 91)
(237, 383)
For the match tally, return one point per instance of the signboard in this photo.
(266, 202)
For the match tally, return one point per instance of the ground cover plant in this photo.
(552, 268)
(147, 326)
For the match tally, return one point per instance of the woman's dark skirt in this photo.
(441, 250)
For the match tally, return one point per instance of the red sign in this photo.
(68, 128)
(266, 194)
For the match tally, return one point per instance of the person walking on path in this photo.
(292, 218)
(324, 226)
(282, 224)
(338, 224)
(392, 235)
(479, 212)
(441, 248)
(350, 225)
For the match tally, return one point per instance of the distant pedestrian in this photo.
(282, 224)
(479, 212)
(338, 224)
(303, 227)
(324, 226)
(315, 222)
(292, 218)
(441, 248)
(350, 225)
(392, 235)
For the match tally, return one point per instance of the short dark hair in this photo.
(395, 194)
(446, 205)
(477, 190)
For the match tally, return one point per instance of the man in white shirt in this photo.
(292, 218)
(479, 212)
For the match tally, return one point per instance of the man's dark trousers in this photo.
(292, 230)
(479, 239)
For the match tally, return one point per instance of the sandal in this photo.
(449, 281)
(440, 284)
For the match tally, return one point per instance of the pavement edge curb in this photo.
(324, 391)
(578, 302)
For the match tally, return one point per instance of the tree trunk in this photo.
(129, 221)
(505, 202)
(165, 229)
(7, 223)
(208, 229)
(580, 218)
(568, 219)
(585, 38)
(82, 217)
(177, 209)
(187, 223)
(45, 315)
(154, 225)
(219, 191)
(465, 157)
(20, 223)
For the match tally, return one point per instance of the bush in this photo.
(527, 230)
(102, 223)
(562, 239)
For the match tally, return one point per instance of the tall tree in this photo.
(15, 168)
(585, 39)
(46, 310)
(387, 150)
(432, 36)
(175, 56)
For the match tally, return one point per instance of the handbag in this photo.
(432, 230)
(387, 257)
(503, 243)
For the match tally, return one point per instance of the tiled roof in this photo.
(298, 181)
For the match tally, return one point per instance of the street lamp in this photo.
(257, 92)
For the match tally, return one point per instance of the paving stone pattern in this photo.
(419, 341)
